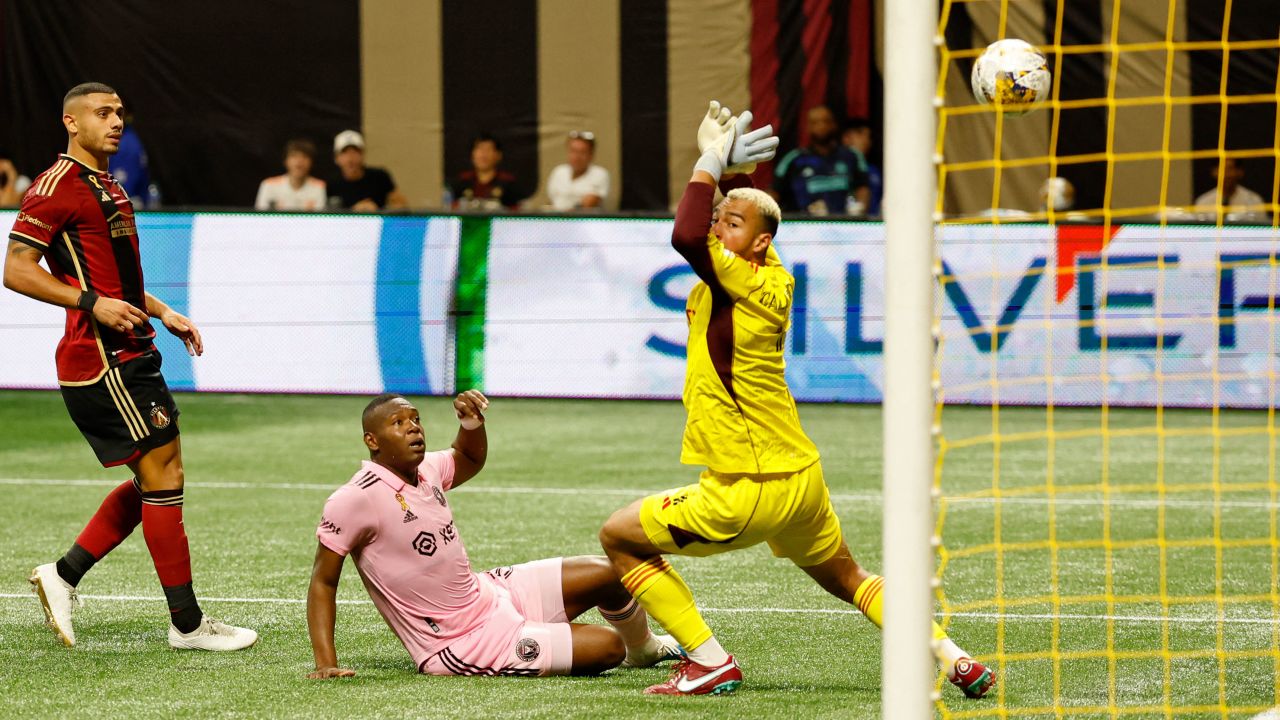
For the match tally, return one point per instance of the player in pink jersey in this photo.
(392, 518)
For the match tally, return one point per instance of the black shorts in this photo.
(126, 413)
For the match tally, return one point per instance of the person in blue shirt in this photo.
(857, 137)
(129, 166)
(825, 178)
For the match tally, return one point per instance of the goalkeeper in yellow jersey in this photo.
(762, 480)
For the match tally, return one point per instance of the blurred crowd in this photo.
(832, 173)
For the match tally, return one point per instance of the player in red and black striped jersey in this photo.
(79, 219)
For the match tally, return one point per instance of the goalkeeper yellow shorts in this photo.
(792, 513)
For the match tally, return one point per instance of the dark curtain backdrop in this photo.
(490, 79)
(1249, 72)
(215, 92)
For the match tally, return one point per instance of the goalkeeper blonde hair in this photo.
(770, 213)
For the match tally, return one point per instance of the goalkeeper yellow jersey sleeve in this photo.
(742, 418)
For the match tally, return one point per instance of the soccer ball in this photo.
(1012, 75)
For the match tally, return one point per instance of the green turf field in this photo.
(260, 467)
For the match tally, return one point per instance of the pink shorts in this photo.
(528, 634)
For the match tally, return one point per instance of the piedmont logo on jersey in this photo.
(528, 649)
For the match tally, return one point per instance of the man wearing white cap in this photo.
(358, 187)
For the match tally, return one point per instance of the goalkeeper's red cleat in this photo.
(690, 678)
(972, 677)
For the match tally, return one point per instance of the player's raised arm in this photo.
(322, 611)
(471, 446)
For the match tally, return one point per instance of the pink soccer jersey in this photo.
(408, 553)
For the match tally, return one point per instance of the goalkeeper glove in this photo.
(717, 122)
(738, 149)
(750, 147)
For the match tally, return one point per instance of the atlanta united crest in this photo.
(159, 418)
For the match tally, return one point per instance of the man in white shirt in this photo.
(296, 189)
(1239, 203)
(578, 184)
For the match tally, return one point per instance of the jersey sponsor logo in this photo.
(327, 525)
(528, 649)
(425, 543)
(439, 496)
(33, 220)
(122, 225)
(449, 533)
(159, 418)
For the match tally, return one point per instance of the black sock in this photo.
(184, 612)
(73, 565)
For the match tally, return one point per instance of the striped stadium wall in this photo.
(422, 76)
(637, 73)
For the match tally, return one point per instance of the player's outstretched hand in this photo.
(750, 146)
(182, 327)
(117, 314)
(470, 407)
(717, 122)
(329, 673)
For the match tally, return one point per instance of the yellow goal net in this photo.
(1108, 346)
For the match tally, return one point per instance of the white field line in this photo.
(1030, 617)
(640, 492)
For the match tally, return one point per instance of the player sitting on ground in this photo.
(394, 520)
(763, 480)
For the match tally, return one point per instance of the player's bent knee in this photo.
(596, 648)
(619, 530)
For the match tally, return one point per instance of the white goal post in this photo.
(910, 72)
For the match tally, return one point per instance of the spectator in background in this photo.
(1239, 203)
(578, 184)
(295, 189)
(130, 169)
(13, 184)
(857, 137)
(825, 178)
(486, 186)
(358, 187)
(1057, 193)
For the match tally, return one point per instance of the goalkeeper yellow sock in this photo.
(869, 597)
(664, 595)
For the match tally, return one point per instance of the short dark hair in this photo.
(371, 410)
(770, 224)
(89, 88)
(486, 137)
(301, 145)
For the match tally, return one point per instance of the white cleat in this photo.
(212, 635)
(660, 648)
(58, 599)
